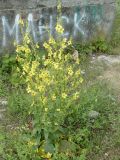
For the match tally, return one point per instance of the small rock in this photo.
(3, 102)
(82, 72)
(2, 110)
(93, 114)
(106, 154)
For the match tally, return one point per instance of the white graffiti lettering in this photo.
(31, 26)
(7, 28)
(74, 25)
(66, 19)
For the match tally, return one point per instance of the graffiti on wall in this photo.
(80, 22)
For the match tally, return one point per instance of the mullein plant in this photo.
(53, 81)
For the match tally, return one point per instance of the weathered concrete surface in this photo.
(82, 19)
(34, 4)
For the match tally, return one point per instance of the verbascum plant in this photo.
(54, 82)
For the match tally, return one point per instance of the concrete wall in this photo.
(82, 19)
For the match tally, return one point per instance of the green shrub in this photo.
(96, 46)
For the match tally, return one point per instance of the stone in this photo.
(3, 102)
(109, 59)
(2, 110)
(83, 72)
(93, 114)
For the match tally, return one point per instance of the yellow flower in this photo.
(27, 50)
(21, 22)
(69, 42)
(70, 71)
(56, 65)
(59, 29)
(46, 109)
(76, 95)
(59, 56)
(41, 88)
(77, 73)
(78, 61)
(64, 95)
(65, 40)
(28, 41)
(33, 93)
(26, 67)
(43, 57)
(44, 100)
(53, 97)
(31, 143)
(18, 50)
(59, 6)
(26, 38)
(48, 155)
(58, 110)
(47, 62)
(46, 45)
(81, 80)
(37, 46)
(29, 89)
(51, 41)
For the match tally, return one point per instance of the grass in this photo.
(102, 140)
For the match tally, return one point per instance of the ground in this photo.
(107, 145)
(110, 72)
